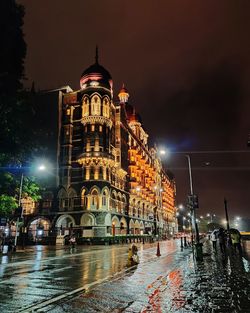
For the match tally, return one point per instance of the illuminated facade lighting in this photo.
(111, 182)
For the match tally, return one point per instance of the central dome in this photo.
(96, 75)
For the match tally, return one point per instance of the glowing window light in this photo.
(40, 232)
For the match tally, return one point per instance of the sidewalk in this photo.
(174, 283)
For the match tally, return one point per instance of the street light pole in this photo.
(198, 245)
(190, 174)
(192, 193)
(19, 205)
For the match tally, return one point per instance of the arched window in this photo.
(119, 203)
(72, 198)
(105, 107)
(104, 198)
(95, 105)
(85, 107)
(94, 199)
(62, 196)
(123, 204)
(113, 201)
(84, 199)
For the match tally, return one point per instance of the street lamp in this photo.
(19, 206)
(41, 167)
(210, 215)
(181, 207)
(198, 245)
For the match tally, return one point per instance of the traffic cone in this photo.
(158, 253)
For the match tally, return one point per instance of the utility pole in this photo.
(194, 206)
(19, 205)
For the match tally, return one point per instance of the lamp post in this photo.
(193, 197)
(40, 168)
(19, 206)
(198, 245)
(193, 215)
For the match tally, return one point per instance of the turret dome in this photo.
(96, 75)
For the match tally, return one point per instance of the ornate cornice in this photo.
(87, 160)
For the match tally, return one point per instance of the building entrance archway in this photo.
(64, 224)
(38, 229)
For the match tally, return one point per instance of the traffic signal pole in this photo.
(194, 206)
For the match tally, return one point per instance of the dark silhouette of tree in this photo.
(16, 108)
(15, 104)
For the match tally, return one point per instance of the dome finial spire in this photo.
(123, 94)
(96, 54)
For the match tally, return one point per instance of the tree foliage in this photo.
(10, 185)
(31, 188)
(7, 205)
(16, 110)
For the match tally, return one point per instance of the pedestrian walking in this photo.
(72, 241)
(222, 240)
(236, 241)
(213, 238)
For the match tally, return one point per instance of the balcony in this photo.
(96, 154)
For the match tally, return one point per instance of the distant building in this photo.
(110, 182)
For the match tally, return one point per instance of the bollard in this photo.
(185, 242)
(181, 242)
(158, 253)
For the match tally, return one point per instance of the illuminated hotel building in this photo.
(110, 181)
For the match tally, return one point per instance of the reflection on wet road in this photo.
(27, 279)
(172, 283)
(95, 279)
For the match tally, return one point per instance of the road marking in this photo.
(73, 292)
(85, 288)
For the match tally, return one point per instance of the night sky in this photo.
(186, 65)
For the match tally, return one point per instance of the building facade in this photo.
(111, 182)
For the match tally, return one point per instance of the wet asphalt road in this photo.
(95, 279)
(172, 283)
(33, 277)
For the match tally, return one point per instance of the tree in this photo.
(10, 191)
(16, 110)
(7, 205)
(31, 189)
